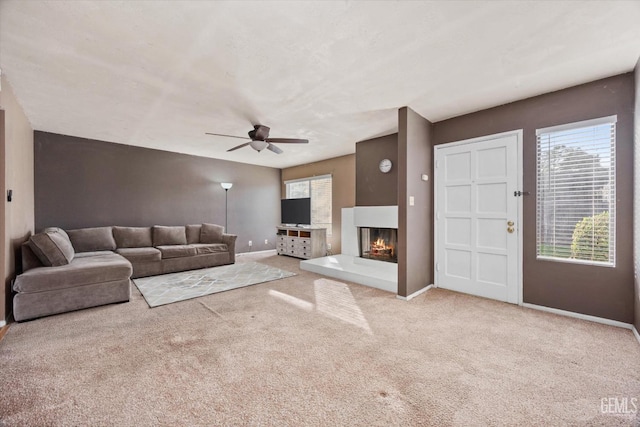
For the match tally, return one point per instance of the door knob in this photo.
(510, 229)
(510, 223)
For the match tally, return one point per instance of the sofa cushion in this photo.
(210, 248)
(92, 253)
(52, 247)
(140, 254)
(177, 251)
(169, 235)
(92, 239)
(81, 271)
(132, 237)
(211, 233)
(193, 233)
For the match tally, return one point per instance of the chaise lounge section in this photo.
(66, 271)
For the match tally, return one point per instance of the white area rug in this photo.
(174, 287)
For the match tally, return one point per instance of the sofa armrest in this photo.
(230, 241)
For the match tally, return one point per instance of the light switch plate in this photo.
(412, 201)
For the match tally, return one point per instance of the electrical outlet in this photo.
(328, 246)
(266, 241)
(250, 243)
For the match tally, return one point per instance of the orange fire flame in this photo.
(381, 244)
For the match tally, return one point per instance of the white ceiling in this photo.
(161, 74)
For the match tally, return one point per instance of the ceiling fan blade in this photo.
(229, 136)
(239, 146)
(288, 140)
(274, 149)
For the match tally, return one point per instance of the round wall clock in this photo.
(385, 165)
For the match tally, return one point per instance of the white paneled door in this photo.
(477, 216)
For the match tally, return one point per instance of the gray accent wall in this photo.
(598, 291)
(87, 183)
(415, 222)
(374, 188)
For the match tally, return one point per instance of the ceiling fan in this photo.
(260, 140)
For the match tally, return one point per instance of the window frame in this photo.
(309, 179)
(612, 205)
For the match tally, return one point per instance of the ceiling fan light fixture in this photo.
(260, 140)
(258, 145)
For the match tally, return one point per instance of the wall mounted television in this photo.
(296, 211)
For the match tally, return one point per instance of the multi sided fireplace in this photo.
(378, 243)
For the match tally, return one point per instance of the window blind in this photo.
(319, 189)
(575, 211)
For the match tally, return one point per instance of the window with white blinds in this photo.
(576, 192)
(318, 188)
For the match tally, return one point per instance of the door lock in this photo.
(510, 223)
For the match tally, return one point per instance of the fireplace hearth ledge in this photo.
(376, 274)
(348, 265)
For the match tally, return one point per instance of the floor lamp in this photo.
(226, 186)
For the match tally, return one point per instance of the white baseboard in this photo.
(415, 294)
(637, 335)
(579, 316)
(255, 252)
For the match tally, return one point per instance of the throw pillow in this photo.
(52, 247)
(193, 233)
(169, 235)
(92, 239)
(133, 237)
(211, 233)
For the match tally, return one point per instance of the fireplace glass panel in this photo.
(379, 243)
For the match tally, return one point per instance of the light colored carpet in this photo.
(174, 287)
(307, 350)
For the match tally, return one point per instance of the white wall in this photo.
(19, 177)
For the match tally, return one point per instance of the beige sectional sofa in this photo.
(65, 271)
